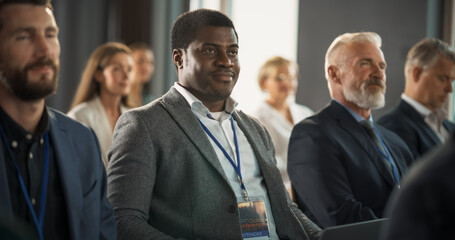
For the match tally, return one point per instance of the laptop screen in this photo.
(369, 230)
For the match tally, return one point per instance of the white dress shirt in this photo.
(93, 114)
(219, 124)
(433, 119)
(280, 130)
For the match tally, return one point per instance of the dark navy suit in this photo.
(336, 171)
(83, 176)
(423, 207)
(405, 121)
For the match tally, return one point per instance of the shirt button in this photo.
(231, 209)
(28, 136)
(30, 155)
(33, 201)
(14, 144)
(41, 141)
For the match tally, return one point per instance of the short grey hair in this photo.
(425, 53)
(347, 38)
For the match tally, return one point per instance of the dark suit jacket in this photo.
(405, 121)
(166, 181)
(424, 207)
(337, 173)
(83, 176)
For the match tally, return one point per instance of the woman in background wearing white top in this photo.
(143, 67)
(278, 112)
(102, 95)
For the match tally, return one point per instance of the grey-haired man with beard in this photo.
(343, 167)
(51, 173)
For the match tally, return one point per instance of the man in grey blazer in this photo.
(187, 164)
(419, 117)
(51, 173)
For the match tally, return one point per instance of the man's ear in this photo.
(334, 74)
(177, 58)
(416, 72)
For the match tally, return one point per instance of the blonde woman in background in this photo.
(102, 95)
(143, 67)
(278, 112)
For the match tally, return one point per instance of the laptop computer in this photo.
(367, 230)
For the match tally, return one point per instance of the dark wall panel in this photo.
(86, 24)
(136, 21)
(400, 23)
(82, 27)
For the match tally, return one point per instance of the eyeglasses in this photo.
(282, 76)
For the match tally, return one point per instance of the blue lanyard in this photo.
(236, 167)
(38, 221)
(386, 155)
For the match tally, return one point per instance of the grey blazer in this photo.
(165, 179)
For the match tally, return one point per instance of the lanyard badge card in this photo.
(253, 220)
(253, 217)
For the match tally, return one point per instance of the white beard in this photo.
(363, 98)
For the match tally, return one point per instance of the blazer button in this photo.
(231, 209)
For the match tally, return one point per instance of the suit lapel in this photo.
(419, 121)
(348, 123)
(180, 111)
(252, 136)
(448, 126)
(400, 164)
(255, 142)
(273, 182)
(67, 170)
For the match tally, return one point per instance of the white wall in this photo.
(266, 28)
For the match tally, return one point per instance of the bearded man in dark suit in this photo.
(342, 167)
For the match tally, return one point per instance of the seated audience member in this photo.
(191, 166)
(343, 167)
(419, 117)
(278, 112)
(102, 95)
(52, 177)
(143, 68)
(423, 208)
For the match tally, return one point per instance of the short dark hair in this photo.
(187, 24)
(3, 3)
(34, 2)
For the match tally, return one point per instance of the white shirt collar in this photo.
(420, 108)
(198, 106)
(357, 117)
(433, 119)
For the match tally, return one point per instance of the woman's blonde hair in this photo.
(274, 63)
(100, 58)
